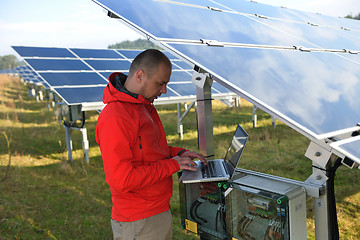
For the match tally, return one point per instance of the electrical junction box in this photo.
(203, 209)
(263, 208)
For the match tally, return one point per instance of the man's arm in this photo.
(115, 138)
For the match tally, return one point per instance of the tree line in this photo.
(138, 44)
(353, 17)
(9, 62)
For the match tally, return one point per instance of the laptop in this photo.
(219, 169)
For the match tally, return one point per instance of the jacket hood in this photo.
(115, 91)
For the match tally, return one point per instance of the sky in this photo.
(84, 24)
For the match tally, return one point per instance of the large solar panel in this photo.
(79, 76)
(300, 67)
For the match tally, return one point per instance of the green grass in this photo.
(42, 196)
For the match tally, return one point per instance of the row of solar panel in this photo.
(79, 81)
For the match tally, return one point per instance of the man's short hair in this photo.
(148, 61)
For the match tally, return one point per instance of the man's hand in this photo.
(185, 163)
(194, 155)
(185, 160)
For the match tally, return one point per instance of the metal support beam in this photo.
(85, 142)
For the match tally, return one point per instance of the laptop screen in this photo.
(236, 149)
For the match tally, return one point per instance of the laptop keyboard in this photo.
(211, 169)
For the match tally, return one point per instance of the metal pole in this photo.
(321, 213)
(204, 116)
(68, 142)
(254, 116)
(85, 144)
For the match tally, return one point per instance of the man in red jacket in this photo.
(138, 162)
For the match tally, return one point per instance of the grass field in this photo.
(42, 196)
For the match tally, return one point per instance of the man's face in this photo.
(153, 85)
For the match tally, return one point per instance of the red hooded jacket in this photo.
(137, 160)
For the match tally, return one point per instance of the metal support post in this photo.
(204, 113)
(273, 120)
(181, 117)
(321, 214)
(32, 92)
(254, 116)
(179, 123)
(68, 142)
(41, 96)
(85, 144)
(321, 157)
(237, 102)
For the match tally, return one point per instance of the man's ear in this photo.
(139, 75)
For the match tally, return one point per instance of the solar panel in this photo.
(73, 79)
(57, 65)
(129, 54)
(43, 52)
(80, 95)
(96, 53)
(300, 67)
(109, 65)
(80, 77)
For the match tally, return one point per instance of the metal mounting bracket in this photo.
(318, 154)
(199, 79)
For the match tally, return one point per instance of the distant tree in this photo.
(8, 62)
(353, 17)
(137, 44)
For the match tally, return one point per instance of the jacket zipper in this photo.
(140, 142)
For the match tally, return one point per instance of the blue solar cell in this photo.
(96, 53)
(315, 90)
(170, 93)
(170, 56)
(106, 74)
(61, 79)
(218, 88)
(130, 54)
(43, 52)
(183, 89)
(76, 96)
(57, 64)
(182, 65)
(110, 65)
(180, 77)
